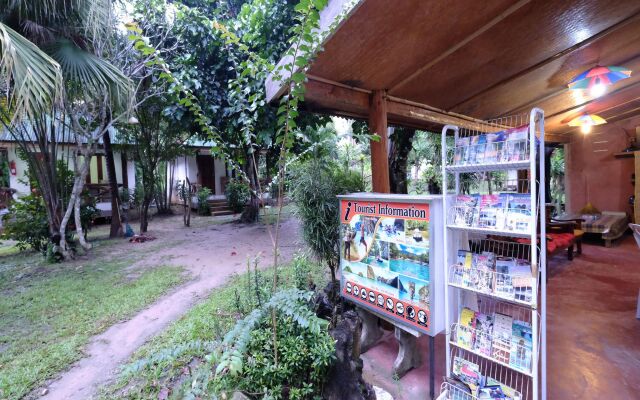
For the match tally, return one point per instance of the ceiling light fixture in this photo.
(587, 121)
(598, 78)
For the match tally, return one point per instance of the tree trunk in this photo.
(116, 223)
(252, 210)
(171, 173)
(79, 231)
(401, 140)
(186, 202)
(78, 185)
(144, 215)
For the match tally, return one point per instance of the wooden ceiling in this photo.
(482, 59)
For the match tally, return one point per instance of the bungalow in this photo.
(199, 167)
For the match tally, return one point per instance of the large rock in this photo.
(344, 380)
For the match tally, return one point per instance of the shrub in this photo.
(203, 201)
(238, 194)
(304, 347)
(303, 360)
(27, 223)
(315, 187)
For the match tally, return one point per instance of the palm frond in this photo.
(32, 79)
(97, 18)
(37, 33)
(87, 75)
(38, 10)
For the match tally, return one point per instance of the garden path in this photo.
(210, 253)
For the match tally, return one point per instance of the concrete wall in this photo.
(187, 166)
(592, 172)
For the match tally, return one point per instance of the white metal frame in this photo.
(452, 238)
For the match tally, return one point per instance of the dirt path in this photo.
(210, 254)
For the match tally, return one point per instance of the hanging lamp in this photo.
(598, 78)
(586, 121)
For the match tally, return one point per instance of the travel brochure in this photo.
(502, 212)
(505, 277)
(504, 146)
(468, 378)
(497, 336)
(388, 259)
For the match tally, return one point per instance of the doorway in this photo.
(206, 171)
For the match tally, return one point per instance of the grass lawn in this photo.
(170, 354)
(49, 312)
(269, 214)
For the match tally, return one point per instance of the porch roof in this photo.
(442, 62)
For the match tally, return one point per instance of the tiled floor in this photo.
(593, 336)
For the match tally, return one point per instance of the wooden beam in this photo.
(379, 158)
(402, 111)
(326, 97)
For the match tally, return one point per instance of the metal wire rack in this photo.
(503, 155)
(516, 384)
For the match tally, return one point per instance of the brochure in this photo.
(504, 283)
(468, 372)
(484, 331)
(491, 213)
(466, 326)
(521, 346)
(501, 345)
(516, 144)
(518, 214)
(465, 210)
(493, 147)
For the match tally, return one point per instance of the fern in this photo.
(171, 354)
(293, 303)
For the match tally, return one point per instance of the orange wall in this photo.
(593, 174)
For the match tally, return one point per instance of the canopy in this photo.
(439, 62)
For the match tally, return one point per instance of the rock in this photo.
(44, 392)
(344, 380)
(324, 301)
(382, 394)
(239, 396)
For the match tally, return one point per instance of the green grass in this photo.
(208, 321)
(269, 215)
(8, 249)
(49, 312)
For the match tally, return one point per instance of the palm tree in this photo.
(59, 85)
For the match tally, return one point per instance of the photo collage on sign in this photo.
(385, 262)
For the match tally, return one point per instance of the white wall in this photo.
(21, 172)
(188, 167)
(219, 172)
(131, 173)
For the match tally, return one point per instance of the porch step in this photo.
(219, 208)
(222, 212)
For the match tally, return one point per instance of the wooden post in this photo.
(636, 189)
(379, 157)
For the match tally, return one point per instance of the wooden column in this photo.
(379, 158)
(636, 190)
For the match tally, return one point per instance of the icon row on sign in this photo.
(391, 305)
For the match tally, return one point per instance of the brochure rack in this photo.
(502, 161)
